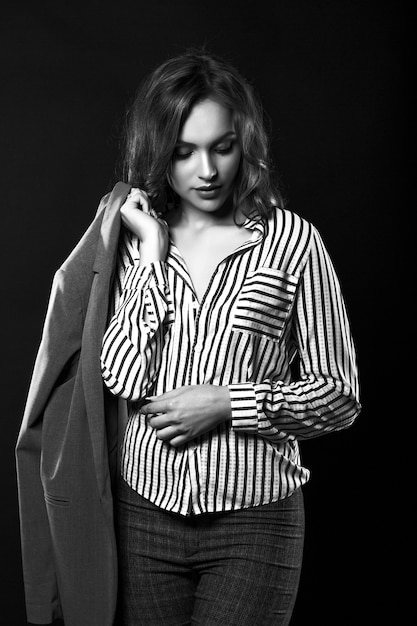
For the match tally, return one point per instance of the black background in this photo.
(334, 78)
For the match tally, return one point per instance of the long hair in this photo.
(160, 108)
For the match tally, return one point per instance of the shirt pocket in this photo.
(264, 303)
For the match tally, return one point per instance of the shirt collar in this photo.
(255, 223)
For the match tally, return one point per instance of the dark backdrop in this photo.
(333, 77)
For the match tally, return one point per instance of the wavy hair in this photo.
(161, 106)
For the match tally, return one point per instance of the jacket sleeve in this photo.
(55, 362)
(326, 397)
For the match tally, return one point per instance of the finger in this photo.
(134, 194)
(161, 403)
(153, 407)
(137, 191)
(159, 421)
(181, 440)
(140, 198)
(144, 201)
(167, 434)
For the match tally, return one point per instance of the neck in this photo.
(192, 218)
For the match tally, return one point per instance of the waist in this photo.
(221, 471)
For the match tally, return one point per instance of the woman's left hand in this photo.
(183, 414)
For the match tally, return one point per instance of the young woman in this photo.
(219, 292)
(214, 315)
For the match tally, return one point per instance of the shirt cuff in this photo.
(160, 273)
(138, 277)
(244, 407)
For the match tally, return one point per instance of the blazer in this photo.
(66, 452)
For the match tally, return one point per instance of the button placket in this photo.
(198, 343)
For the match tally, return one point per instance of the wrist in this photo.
(226, 405)
(147, 258)
(152, 252)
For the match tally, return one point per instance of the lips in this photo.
(208, 187)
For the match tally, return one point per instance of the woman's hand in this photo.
(139, 217)
(183, 414)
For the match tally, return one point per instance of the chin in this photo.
(224, 203)
(211, 206)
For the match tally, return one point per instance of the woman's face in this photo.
(206, 158)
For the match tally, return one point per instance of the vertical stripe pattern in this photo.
(275, 298)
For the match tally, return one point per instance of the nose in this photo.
(208, 169)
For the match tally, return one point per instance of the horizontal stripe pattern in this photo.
(275, 299)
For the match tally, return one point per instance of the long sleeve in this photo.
(326, 397)
(133, 343)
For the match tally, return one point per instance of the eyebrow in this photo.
(229, 133)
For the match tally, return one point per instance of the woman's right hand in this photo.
(139, 217)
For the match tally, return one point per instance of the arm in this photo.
(326, 396)
(323, 400)
(133, 343)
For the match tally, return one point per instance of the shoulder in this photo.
(285, 220)
(291, 236)
(289, 228)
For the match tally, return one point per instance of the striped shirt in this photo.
(274, 301)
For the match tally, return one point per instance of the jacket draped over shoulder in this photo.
(66, 452)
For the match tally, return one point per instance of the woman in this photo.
(219, 293)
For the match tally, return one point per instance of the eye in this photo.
(182, 155)
(224, 148)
